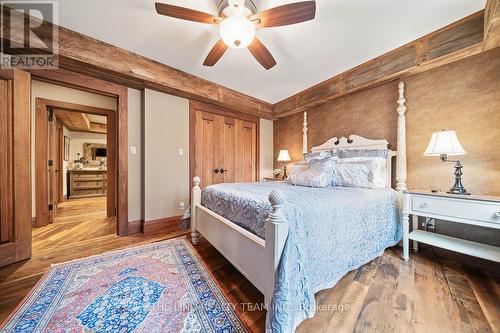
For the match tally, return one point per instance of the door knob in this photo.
(222, 170)
(496, 215)
(216, 170)
(423, 205)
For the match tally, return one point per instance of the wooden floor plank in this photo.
(426, 294)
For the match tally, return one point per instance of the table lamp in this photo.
(444, 144)
(284, 157)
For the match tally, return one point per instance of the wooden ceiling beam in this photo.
(492, 24)
(78, 122)
(456, 41)
(97, 128)
(89, 56)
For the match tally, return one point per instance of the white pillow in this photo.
(365, 172)
(311, 177)
(297, 167)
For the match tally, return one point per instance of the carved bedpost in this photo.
(304, 136)
(195, 200)
(276, 234)
(401, 156)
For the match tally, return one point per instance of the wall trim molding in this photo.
(161, 225)
(166, 224)
(459, 40)
(89, 56)
(469, 36)
(134, 227)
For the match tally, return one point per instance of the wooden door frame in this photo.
(20, 175)
(90, 84)
(41, 185)
(210, 108)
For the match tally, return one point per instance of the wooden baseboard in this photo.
(167, 224)
(134, 227)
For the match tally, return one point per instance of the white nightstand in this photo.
(472, 210)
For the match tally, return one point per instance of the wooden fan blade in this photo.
(186, 14)
(262, 54)
(216, 53)
(286, 15)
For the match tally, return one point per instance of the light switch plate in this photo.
(133, 150)
(181, 151)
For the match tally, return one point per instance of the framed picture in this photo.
(66, 148)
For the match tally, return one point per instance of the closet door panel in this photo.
(221, 140)
(249, 151)
(228, 163)
(204, 159)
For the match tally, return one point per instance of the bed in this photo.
(292, 241)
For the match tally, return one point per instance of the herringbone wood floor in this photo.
(428, 294)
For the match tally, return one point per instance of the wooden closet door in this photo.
(246, 151)
(208, 147)
(15, 175)
(222, 142)
(229, 152)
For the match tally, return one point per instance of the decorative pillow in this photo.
(349, 153)
(311, 177)
(297, 167)
(362, 172)
(318, 155)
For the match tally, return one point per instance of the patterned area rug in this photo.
(160, 287)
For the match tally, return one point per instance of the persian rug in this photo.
(159, 287)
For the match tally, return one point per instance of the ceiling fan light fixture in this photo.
(237, 32)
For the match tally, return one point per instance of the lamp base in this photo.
(458, 188)
(285, 176)
(458, 192)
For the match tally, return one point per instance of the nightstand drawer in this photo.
(457, 208)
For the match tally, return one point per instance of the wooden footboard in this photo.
(255, 258)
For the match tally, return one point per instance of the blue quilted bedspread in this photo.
(333, 230)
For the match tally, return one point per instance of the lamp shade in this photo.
(444, 143)
(284, 156)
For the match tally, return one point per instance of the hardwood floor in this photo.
(427, 294)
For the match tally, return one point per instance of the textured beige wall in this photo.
(166, 174)
(135, 161)
(463, 96)
(266, 148)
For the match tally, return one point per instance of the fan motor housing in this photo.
(226, 11)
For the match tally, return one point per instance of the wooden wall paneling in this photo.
(87, 83)
(86, 55)
(16, 244)
(456, 41)
(492, 24)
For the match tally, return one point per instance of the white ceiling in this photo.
(344, 34)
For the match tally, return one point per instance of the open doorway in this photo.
(75, 165)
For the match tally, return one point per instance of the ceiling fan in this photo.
(238, 20)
